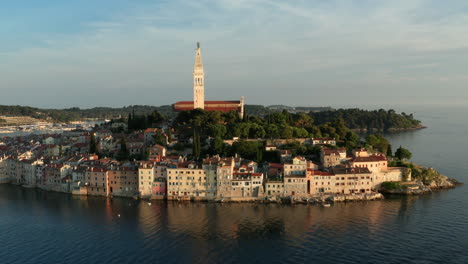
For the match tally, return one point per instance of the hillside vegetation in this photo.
(381, 120)
(369, 120)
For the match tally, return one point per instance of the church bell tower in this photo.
(198, 81)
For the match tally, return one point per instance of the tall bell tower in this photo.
(198, 81)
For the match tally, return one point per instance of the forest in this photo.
(381, 119)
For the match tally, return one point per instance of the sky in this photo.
(60, 54)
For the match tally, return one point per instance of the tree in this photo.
(123, 153)
(403, 154)
(379, 142)
(169, 136)
(389, 151)
(287, 132)
(303, 120)
(158, 138)
(300, 132)
(217, 146)
(217, 130)
(92, 144)
(196, 143)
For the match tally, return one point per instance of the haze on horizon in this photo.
(90, 53)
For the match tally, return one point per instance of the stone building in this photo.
(97, 181)
(185, 183)
(199, 93)
(123, 181)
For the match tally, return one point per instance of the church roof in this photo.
(224, 106)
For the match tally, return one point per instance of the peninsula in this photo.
(218, 151)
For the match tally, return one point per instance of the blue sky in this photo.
(114, 53)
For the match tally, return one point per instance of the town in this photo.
(63, 163)
(210, 151)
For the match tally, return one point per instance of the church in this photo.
(199, 93)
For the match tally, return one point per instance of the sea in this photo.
(46, 227)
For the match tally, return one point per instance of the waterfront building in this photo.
(28, 174)
(79, 175)
(320, 182)
(146, 174)
(274, 188)
(123, 181)
(247, 184)
(185, 183)
(224, 171)
(352, 180)
(4, 178)
(97, 181)
(159, 188)
(56, 176)
(295, 185)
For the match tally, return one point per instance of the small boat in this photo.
(149, 203)
(326, 205)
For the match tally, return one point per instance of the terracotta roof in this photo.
(151, 130)
(373, 158)
(223, 106)
(325, 139)
(276, 165)
(320, 173)
(351, 170)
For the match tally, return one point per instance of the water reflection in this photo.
(210, 232)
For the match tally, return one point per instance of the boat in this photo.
(326, 205)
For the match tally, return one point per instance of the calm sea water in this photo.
(41, 227)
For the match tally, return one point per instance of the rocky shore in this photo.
(390, 130)
(426, 180)
(317, 200)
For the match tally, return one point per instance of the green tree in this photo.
(300, 132)
(196, 143)
(389, 151)
(159, 138)
(379, 142)
(286, 132)
(123, 153)
(217, 130)
(273, 131)
(92, 144)
(217, 146)
(403, 154)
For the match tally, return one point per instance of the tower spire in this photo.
(198, 81)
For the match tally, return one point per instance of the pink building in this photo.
(159, 188)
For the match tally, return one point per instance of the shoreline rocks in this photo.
(419, 187)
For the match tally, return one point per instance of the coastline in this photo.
(390, 130)
(322, 200)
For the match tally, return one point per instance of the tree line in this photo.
(363, 119)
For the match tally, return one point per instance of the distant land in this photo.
(355, 119)
(75, 113)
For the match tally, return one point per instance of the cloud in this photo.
(320, 52)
